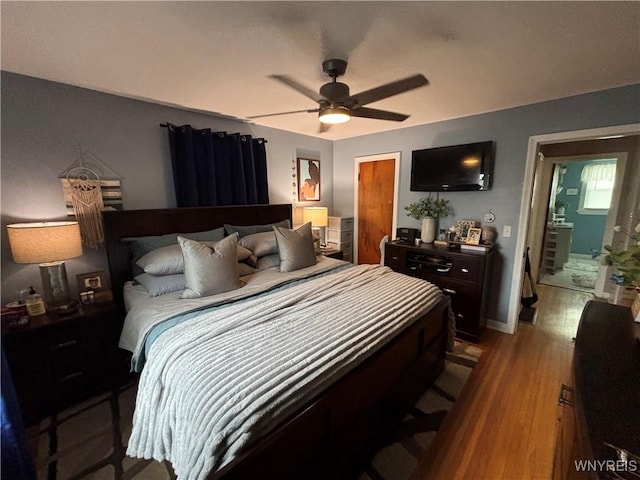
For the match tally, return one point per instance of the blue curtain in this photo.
(16, 462)
(216, 168)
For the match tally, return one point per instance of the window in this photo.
(597, 187)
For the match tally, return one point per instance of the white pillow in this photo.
(210, 270)
(169, 260)
(295, 247)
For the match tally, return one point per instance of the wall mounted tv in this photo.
(454, 168)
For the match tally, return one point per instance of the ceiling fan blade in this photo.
(387, 90)
(365, 112)
(313, 110)
(290, 82)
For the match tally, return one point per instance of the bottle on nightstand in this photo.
(35, 304)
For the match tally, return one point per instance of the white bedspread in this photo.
(220, 381)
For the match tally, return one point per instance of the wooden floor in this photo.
(503, 425)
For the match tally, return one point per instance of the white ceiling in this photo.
(217, 56)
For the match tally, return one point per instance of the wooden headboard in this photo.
(140, 223)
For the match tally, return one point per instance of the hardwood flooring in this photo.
(503, 426)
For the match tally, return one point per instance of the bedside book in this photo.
(475, 248)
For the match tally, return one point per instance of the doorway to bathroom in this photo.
(577, 192)
(581, 198)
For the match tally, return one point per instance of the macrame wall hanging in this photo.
(90, 186)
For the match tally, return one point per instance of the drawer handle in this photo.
(449, 291)
(459, 315)
(394, 258)
(443, 270)
(464, 270)
(66, 344)
(71, 376)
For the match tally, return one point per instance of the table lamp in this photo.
(319, 217)
(49, 244)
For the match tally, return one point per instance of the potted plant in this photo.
(428, 210)
(627, 262)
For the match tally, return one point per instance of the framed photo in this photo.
(473, 236)
(462, 228)
(95, 282)
(308, 180)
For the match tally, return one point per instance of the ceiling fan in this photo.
(336, 105)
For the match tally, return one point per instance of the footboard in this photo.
(332, 437)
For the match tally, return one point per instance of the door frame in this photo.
(545, 165)
(525, 201)
(396, 187)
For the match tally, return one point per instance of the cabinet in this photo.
(557, 246)
(462, 275)
(56, 361)
(340, 235)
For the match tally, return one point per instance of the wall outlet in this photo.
(506, 231)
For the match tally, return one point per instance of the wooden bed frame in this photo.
(334, 434)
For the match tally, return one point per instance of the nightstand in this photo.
(333, 253)
(57, 361)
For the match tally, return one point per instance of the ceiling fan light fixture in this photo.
(334, 115)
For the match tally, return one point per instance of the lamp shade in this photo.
(318, 216)
(43, 242)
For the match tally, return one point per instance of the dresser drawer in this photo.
(395, 258)
(340, 223)
(339, 236)
(346, 247)
(464, 304)
(467, 269)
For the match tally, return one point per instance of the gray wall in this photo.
(43, 123)
(510, 129)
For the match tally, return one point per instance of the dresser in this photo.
(340, 236)
(462, 275)
(599, 412)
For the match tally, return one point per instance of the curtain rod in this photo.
(171, 125)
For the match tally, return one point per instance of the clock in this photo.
(489, 217)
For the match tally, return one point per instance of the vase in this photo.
(428, 233)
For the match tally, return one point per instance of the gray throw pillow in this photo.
(210, 270)
(244, 230)
(269, 261)
(169, 260)
(295, 247)
(140, 246)
(161, 285)
(261, 244)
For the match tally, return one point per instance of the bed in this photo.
(350, 348)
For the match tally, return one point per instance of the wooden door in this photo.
(376, 188)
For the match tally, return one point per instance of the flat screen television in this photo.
(454, 168)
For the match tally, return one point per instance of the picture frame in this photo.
(308, 179)
(95, 282)
(462, 228)
(473, 236)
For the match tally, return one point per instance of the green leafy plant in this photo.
(627, 262)
(428, 207)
